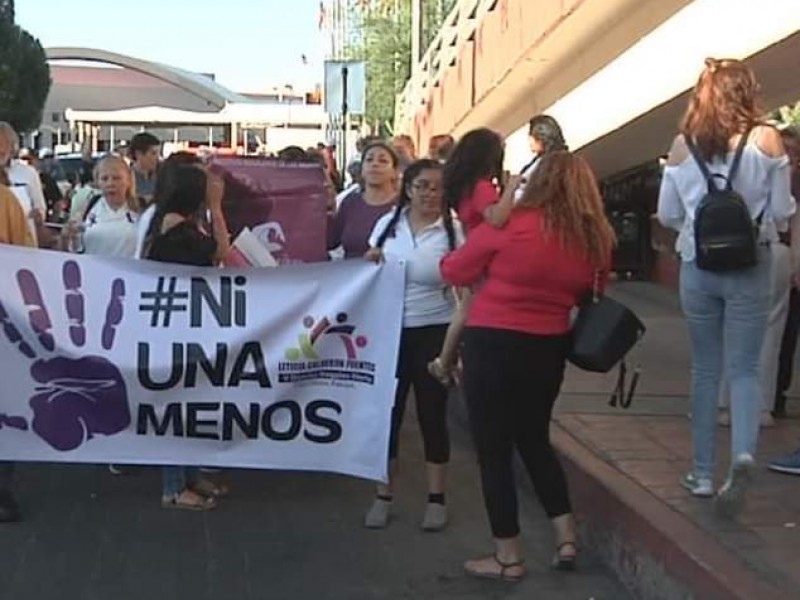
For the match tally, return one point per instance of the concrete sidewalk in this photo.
(625, 467)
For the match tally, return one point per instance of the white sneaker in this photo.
(435, 518)
(702, 487)
(730, 498)
(378, 514)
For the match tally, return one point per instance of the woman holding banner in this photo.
(183, 193)
(556, 243)
(419, 231)
(350, 228)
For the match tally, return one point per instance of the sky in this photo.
(249, 45)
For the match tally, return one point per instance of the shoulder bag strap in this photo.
(621, 396)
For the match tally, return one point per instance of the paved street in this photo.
(91, 536)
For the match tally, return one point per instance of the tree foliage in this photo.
(7, 10)
(790, 115)
(385, 46)
(24, 74)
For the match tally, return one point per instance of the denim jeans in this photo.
(6, 475)
(780, 285)
(727, 317)
(177, 479)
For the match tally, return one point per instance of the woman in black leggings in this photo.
(532, 272)
(420, 232)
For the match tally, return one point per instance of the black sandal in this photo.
(565, 562)
(502, 575)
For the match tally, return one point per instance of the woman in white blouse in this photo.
(726, 310)
(107, 226)
(419, 231)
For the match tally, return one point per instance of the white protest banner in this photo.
(121, 361)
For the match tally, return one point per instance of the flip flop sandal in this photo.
(565, 562)
(180, 502)
(502, 575)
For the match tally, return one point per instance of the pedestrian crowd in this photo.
(496, 265)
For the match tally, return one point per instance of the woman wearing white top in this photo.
(24, 181)
(726, 311)
(420, 231)
(108, 225)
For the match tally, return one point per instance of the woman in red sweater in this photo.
(529, 275)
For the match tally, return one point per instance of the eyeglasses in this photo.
(425, 187)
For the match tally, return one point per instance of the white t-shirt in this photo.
(141, 229)
(426, 299)
(27, 187)
(110, 232)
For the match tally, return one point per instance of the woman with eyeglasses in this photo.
(420, 231)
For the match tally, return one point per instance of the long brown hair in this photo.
(564, 188)
(724, 103)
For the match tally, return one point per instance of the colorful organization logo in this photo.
(327, 351)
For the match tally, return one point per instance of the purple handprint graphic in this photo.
(78, 397)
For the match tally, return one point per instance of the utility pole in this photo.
(416, 35)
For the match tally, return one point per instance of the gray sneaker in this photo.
(702, 487)
(378, 514)
(435, 518)
(730, 498)
(786, 464)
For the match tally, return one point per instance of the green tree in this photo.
(24, 75)
(7, 10)
(790, 115)
(385, 46)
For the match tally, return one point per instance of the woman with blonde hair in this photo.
(107, 225)
(726, 309)
(555, 246)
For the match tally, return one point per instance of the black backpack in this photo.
(725, 235)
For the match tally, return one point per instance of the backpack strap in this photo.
(737, 159)
(701, 163)
(90, 205)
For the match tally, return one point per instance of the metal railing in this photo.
(459, 27)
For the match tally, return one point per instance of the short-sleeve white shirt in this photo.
(110, 232)
(427, 300)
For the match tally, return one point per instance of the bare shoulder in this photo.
(678, 152)
(768, 140)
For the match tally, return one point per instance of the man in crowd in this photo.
(790, 463)
(23, 180)
(13, 230)
(145, 151)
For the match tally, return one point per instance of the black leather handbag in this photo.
(603, 334)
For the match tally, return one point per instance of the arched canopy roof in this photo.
(199, 85)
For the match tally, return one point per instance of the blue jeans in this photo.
(177, 479)
(727, 317)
